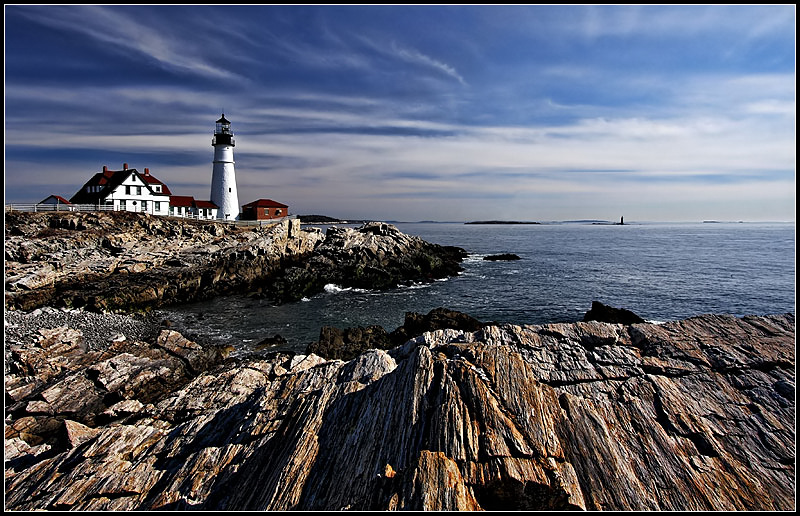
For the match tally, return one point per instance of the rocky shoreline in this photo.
(687, 415)
(121, 261)
(113, 411)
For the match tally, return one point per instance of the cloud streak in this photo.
(116, 30)
(370, 116)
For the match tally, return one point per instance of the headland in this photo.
(112, 411)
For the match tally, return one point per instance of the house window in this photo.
(156, 206)
(127, 190)
(138, 190)
(158, 188)
(122, 204)
(144, 205)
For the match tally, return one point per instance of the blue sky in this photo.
(654, 113)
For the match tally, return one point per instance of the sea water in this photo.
(659, 271)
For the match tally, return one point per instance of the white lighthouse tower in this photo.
(223, 180)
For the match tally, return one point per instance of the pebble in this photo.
(98, 329)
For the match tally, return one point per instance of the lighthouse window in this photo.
(230, 190)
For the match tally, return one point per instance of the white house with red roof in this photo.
(130, 190)
(125, 190)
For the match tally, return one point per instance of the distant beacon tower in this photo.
(223, 180)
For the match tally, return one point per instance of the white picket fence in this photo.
(58, 207)
(102, 207)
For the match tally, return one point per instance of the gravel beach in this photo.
(99, 329)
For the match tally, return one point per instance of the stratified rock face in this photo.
(130, 261)
(689, 415)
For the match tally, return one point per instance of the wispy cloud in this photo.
(416, 57)
(120, 31)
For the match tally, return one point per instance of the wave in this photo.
(332, 288)
(475, 258)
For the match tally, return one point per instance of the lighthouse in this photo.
(223, 179)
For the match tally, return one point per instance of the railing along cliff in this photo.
(58, 207)
(102, 207)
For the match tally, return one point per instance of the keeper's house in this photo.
(263, 209)
(125, 190)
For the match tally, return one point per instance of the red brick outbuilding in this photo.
(263, 209)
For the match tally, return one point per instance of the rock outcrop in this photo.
(609, 314)
(501, 257)
(108, 261)
(376, 256)
(348, 343)
(689, 415)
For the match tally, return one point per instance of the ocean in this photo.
(660, 271)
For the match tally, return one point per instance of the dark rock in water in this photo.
(608, 314)
(348, 343)
(504, 256)
(693, 415)
(437, 319)
(271, 342)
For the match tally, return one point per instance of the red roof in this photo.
(205, 204)
(181, 200)
(108, 180)
(153, 181)
(57, 198)
(265, 203)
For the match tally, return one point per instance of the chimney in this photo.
(124, 166)
(105, 169)
(146, 171)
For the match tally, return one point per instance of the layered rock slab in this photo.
(689, 415)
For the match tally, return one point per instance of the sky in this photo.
(411, 113)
